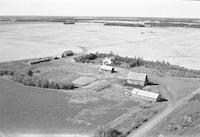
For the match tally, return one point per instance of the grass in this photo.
(179, 87)
(183, 121)
(29, 109)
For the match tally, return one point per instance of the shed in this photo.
(106, 68)
(152, 96)
(67, 53)
(137, 78)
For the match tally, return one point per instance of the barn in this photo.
(134, 78)
(152, 96)
(67, 53)
(106, 68)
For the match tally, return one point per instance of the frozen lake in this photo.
(179, 46)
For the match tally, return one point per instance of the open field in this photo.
(177, 45)
(65, 97)
(80, 111)
(34, 110)
(100, 103)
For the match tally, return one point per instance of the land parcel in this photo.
(82, 81)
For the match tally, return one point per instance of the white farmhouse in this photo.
(108, 61)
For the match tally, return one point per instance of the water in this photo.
(180, 46)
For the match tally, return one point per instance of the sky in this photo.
(127, 8)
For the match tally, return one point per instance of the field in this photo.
(103, 102)
(177, 45)
(68, 97)
(41, 111)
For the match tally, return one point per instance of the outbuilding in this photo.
(152, 96)
(134, 78)
(106, 68)
(108, 61)
(67, 53)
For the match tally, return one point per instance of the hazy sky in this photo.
(147, 8)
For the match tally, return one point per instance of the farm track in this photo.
(143, 130)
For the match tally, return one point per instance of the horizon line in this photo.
(98, 16)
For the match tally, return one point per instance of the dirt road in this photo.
(143, 130)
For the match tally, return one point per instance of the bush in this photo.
(24, 79)
(44, 83)
(186, 121)
(28, 80)
(172, 127)
(195, 98)
(66, 86)
(107, 132)
(6, 72)
(30, 73)
(53, 85)
(18, 77)
(86, 58)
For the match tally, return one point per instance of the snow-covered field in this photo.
(179, 46)
(45, 135)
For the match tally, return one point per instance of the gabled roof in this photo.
(136, 76)
(106, 67)
(143, 93)
(67, 52)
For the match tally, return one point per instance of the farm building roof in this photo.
(82, 81)
(146, 94)
(106, 67)
(136, 76)
(68, 51)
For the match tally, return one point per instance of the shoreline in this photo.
(46, 135)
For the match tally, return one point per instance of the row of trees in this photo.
(160, 67)
(6, 72)
(30, 80)
(27, 78)
(86, 58)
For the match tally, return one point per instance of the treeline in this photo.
(27, 78)
(157, 67)
(124, 24)
(6, 72)
(172, 24)
(87, 58)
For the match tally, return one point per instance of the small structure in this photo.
(67, 53)
(152, 96)
(106, 68)
(108, 61)
(134, 78)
